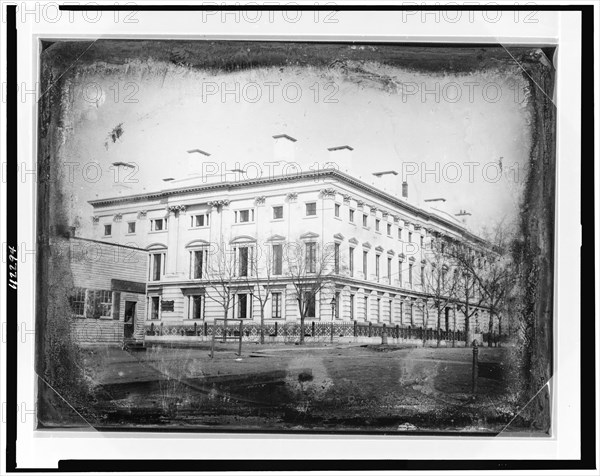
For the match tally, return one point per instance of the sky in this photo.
(470, 132)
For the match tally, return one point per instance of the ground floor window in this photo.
(98, 303)
(310, 303)
(243, 306)
(195, 303)
(276, 305)
(351, 307)
(77, 301)
(154, 307)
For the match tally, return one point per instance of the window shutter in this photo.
(116, 305)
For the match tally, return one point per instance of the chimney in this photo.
(122, 171)
(194, 165)
(462, 216)
(386, 181)
(284, 148)
(405, 189)
(341, 156)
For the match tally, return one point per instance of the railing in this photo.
(313, 331)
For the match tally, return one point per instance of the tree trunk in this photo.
(439, 326)
(490, 329)
(262, 325)
(301, 329)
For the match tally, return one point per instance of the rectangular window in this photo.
(377, 221)
(377, 266)
(337, 209)
(390, 310)
(154, 307)
(244, 216)
(107, 230)
(366, 303)
(400, 273)
(311, 257)
(243, 254)
(351, 307)
(410, 274)
(199, 221)
(196, 307)
(277, 260)
(351, 260)
(276, 305)
(337, 304)
(278, 212)
(421, 241)
(131, 227)
(399, 233)
(389, 229)
(365, 220)
(311, 209)
(351, 216)
(365, 258)
(378, 309)
(336, 258)
(389, 270)
(156, 264)
(242, 306)
(310, 303)
(77, 301)
(160, 224)
(199, 263)
(422, 275)
(410, 237)
(99, 303)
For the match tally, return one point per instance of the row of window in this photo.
(92, 303)
(242, 308)
(243, 258)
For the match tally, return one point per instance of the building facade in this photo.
(377, 244)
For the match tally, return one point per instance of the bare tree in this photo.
(309, 267)
(260, 279)
(439, 281)
(220, 276)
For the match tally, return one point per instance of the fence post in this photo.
(397, 331)
(384, 335)
(275, 328)
(475, 366)
(161, 328)
(312, 331)
(152, 328)
(355, 328)
(332, 325)
(241, 331)
(205, 329)
(196, 329)
(212, 345)
(370, 329)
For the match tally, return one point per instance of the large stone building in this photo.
(378, 242)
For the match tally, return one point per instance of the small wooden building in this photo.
(108, 300)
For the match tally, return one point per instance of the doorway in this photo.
(129, 319)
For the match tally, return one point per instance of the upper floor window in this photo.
(311, 257)
(200, 220)
(336, 258)
(199, 263)
(244, 216)
(365, 261)
(377, 258)
(399, 233)
(337, 209)
(277, 260)
(278, 212)
(351, 216)
(389, 229)
(365, 220)
(107, 230)
(377, 225)
(351, 261)
(410, 237)
(159, 224)
(311, 209)
(131, 227)
(157, 265)
(244, 258)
